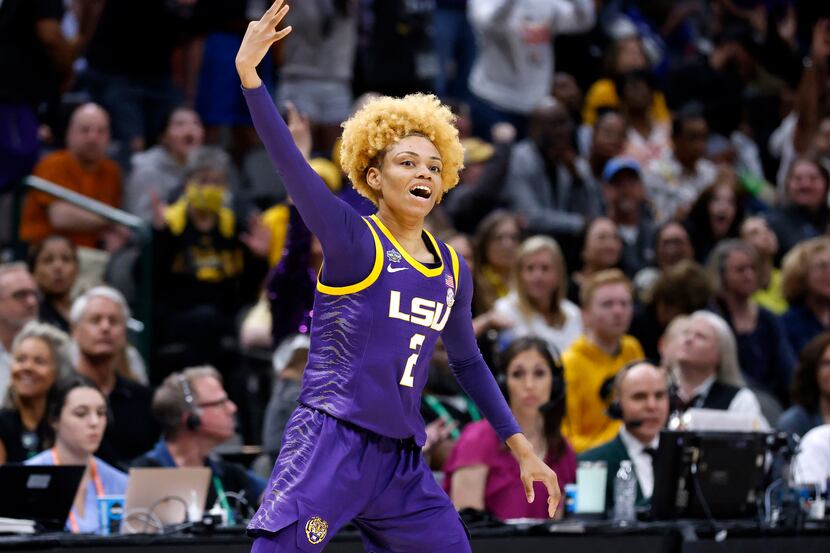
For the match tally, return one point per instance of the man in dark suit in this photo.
(642, 403)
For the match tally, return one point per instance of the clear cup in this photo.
(590, 482)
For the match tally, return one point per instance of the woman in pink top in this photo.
(481, 473)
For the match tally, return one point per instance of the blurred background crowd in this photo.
(644, 179)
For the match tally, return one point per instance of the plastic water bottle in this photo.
(625, 494)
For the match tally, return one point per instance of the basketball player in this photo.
(387, 291)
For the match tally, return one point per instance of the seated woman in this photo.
(601, 249)
(810, 390)
(805, 284)
(804, 212)
(158, 170)
(40, 355)
(54, 264)
(537, 306)
(481, 473)
(765, 355)
(77, 416)
(496, 241)
(716, 215)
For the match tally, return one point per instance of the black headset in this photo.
(193, 421)
(558, 389)
(614, 410)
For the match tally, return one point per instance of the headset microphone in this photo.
(615, 412)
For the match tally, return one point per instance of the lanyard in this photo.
(99, 487)
(223, 499)
(442, 412)
(472, 409)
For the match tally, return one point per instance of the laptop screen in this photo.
(40, 493)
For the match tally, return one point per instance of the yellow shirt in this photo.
(587, 367)
(603, 94)
(771, 297)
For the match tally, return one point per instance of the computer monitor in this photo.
(42, 493)
(709, 474)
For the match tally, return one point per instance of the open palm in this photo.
(258, 39)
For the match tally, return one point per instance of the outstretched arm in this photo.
(477, 381)
(347, 249)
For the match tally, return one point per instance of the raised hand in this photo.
(158, 209)
(258, 39)
(258, 238)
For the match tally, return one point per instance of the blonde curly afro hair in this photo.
(385, 120)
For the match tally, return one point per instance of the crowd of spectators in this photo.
(644, 209)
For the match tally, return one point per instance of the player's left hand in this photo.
(533, 469)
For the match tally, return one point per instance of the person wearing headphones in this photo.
(481, 473)
(642, 404)
(196, 415)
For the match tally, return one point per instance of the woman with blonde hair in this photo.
(537, 305)
(805, 284)
(40, 355)
(386, 292)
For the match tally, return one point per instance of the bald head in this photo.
(643, 393)
(88, 135)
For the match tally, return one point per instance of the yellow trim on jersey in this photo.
(454, 258)
(363, 284)
(412, 261)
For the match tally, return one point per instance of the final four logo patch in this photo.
(450, 297)
(393, 255)
(316, 529)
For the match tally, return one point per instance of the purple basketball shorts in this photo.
(330, 472)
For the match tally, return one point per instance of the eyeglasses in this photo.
(221, 402)
(22, 295)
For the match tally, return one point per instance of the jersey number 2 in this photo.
(415, 343)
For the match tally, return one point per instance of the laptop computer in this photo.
(39, 492)
(158, 497)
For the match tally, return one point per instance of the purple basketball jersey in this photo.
(371, 342)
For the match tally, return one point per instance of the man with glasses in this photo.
(196, 415)
(18, 306)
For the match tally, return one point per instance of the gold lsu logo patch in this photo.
(316, 529)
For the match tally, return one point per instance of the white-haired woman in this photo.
(40, 355)
(537, 305)
(706, 369)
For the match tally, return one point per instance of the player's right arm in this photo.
(341, 231)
